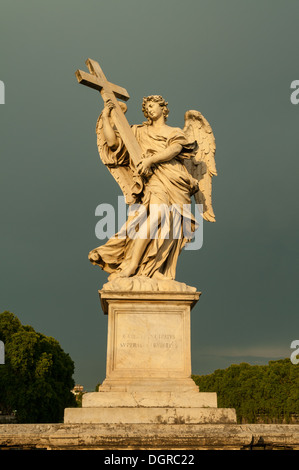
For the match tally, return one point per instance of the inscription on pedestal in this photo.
(148, 340)
(154, 341)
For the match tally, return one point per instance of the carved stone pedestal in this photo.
(148, 376)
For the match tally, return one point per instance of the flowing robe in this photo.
(171, 185)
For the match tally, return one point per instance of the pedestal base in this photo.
(148, 374)
(135, 415)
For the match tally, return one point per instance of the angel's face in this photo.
(154, 110)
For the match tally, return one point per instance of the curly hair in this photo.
(157, 99)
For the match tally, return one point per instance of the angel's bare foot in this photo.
(113, 276)
(127, 272)
(161, 277)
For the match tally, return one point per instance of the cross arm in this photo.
(92, 81)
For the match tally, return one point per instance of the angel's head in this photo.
(153, 105)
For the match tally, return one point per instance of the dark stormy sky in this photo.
(234, 61)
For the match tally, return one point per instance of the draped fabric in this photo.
(172, 186)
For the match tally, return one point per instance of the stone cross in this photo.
(97, 80)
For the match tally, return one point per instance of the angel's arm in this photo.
(168, 154)
(109, 134)
(174, 146)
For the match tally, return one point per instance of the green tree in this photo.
(36, 379)
(268, 393)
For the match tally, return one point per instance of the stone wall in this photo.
(149, 437)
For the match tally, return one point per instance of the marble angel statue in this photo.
(176, 165)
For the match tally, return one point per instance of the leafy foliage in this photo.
(268, 393)
(36, 379)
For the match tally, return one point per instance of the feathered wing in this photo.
(118, 164)
(202, 165)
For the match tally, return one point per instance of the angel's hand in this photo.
(144, 166)
(109, 105)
